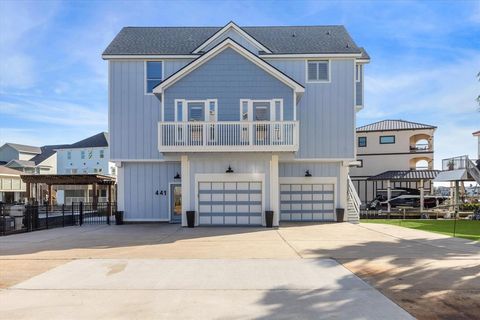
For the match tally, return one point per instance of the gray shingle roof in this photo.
(98, 140)
(406, 175)
(15, 163)
(394, 125)
(47, 152)
(8, 171)
(24, 148)
(279, 40)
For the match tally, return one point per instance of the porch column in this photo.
(185, 172)
(94, 193)
(274, 190)
(389, 195)
(28, 192)
(422, 196)
(50, 198)
(343, 187)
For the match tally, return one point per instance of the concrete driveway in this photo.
(305, 271)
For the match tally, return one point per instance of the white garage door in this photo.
(230, 203)
(307, 202)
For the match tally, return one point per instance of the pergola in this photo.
(32, 180)
(418, 176)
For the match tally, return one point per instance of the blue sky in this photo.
(425, 57)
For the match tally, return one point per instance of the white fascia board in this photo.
(310, 55)
(232, 25)
(229, 43)
(148, 56)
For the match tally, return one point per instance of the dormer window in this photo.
(153, 75)
(318, 71)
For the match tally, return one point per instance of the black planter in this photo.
(269, 219)
(119, 217)
(191, 219)
(340, 214)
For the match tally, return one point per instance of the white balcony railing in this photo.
(228, 136)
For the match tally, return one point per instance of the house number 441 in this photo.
(162, 192)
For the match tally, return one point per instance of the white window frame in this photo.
(82, 154)
(101, 154)
(145, 62)
(272, 103)
(329, 66)
(179, 136)
(358, 72)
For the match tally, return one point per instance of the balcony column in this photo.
(185, 172)
(274, 190)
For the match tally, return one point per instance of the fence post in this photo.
(73, 213)
(81, 213)
(109, 211)
(63, 215)
(46, 219)
(454, 226)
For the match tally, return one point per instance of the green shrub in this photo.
(469, 206)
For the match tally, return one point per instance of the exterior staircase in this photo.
(473, 170)
(353, 203)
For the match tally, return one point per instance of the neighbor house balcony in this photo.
(235, 136)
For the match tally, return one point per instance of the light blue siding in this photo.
(133, 115)
(326, 111)
(228, 77)
(234, 35)
(240, 163)
(317, 169)
(141, 181)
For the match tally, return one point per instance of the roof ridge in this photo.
(251, 26)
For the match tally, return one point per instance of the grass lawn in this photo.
(467, 229)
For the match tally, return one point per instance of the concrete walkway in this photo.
(304, 271)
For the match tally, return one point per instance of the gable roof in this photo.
(234, 26)
(476, 133)
(225, 44)
(279, 40)
(15, 163)
(47, 152)
(24, 148)
(95, 141)
(393, 125)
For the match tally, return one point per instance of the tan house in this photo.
(391, 152)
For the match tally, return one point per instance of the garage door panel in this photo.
(307, 202)
(230, 203)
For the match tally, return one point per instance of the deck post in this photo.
(389, 195)
(422, 196)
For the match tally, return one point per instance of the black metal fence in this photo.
(26, 218)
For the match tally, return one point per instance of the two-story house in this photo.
(88, 156)
(393, 150)
(232, 121)
(29, 159)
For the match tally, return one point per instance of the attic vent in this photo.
(294, 35)
(328, 32)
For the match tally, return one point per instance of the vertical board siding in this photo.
(141, 181)
(228, 77)
(235, 36)
(317, 169)
(133, 115)
(326, 111)
(243, 163)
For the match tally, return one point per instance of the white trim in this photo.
(329, 66)
(142, 160)
(275, 190)
(234, 177)
(311, 55)
(148, 56)
(228, 43)
(319, 160)
(232, 25)
(145, 75)
(271, 102)
(185, 182)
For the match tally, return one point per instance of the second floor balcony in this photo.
(235, 136)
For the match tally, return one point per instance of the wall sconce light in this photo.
(229, 170)
(307, 173)
(156, 192)
(177, 176)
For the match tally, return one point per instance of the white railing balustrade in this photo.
(228, 136)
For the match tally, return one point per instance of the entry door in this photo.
(176, 203)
